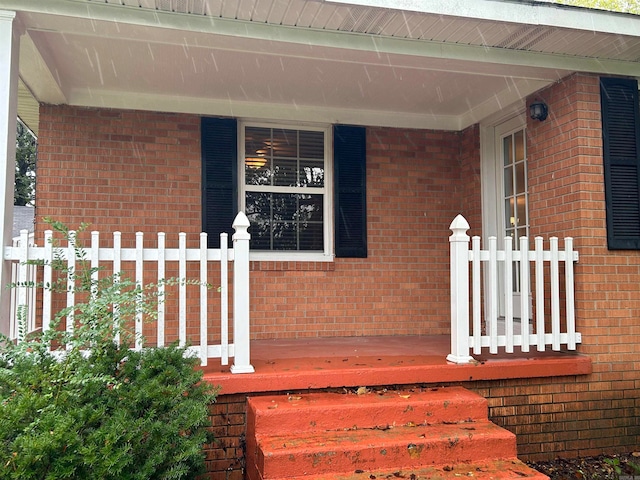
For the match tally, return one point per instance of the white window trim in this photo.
(293, 256)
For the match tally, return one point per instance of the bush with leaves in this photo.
(106, 411)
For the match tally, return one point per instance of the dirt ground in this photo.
(603, 467)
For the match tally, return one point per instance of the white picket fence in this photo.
(467, 331)
(25, 297)
(162, 259)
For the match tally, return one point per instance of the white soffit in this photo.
(308, 60)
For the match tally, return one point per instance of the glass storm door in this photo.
(515, 222)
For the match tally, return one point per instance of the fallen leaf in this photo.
(362, 390)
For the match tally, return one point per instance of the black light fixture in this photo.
(538, 110)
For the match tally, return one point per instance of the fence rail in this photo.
(162, 259)
(493, 267)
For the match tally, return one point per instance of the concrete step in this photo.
(316, 412)
(344, 451)
(510, 469)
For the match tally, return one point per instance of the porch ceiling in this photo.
(438, 66)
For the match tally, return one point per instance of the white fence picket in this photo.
(71, 284)
(141, 257)
(570, 295)
(224, 299)
(160, 334)
(524, 299)
(139, 278)
(204, 332)
(508, 297)
(555, 294)
(477, 305)
(539, 269)
(117, 268)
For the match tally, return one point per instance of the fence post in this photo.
(241, 332)
(459, 247)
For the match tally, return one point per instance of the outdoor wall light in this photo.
(538, 110)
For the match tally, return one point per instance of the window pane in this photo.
(521, 203)
(257, 155)
(520, 178)
(508, 181)
(312, 174)
(506, 151)
(311, 145)
(256, 174)
(258, 211)
(509, 216)
(285, 172)
(285, 221)
(256, 140)
(519, 141)
(284, 143)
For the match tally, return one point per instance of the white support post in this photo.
(9, 51)
(241, 313)
(459, 246)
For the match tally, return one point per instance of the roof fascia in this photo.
(523, 11)
(303, 36)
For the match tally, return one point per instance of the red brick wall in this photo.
(140, 171)
(119, 170)
(586, 414)
(470, 193)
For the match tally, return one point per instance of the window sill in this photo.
(289, 257)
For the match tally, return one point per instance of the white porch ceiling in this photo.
(313, 60)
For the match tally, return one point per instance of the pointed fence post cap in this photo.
(459, 227)
(240, 225)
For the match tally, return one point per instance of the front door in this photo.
(505, 198)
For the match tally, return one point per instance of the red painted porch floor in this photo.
(315, 363)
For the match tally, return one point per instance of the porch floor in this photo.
(315, 363)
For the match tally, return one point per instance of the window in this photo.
(285, 178)
(303, 189)
(621, 147)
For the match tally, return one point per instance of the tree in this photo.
(24, 185)
(627, 6)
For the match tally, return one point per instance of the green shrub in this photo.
(106, 412)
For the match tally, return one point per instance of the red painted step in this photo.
(372, 449)
(510, 469)
(282, 414)
(419, 433)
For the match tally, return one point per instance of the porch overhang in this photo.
(435, 65)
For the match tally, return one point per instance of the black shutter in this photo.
(621, 145)
(219, 177)
(350, 173)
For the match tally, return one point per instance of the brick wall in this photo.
(587, 414)
(225, 457)
(140, 171)
(119, 170)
